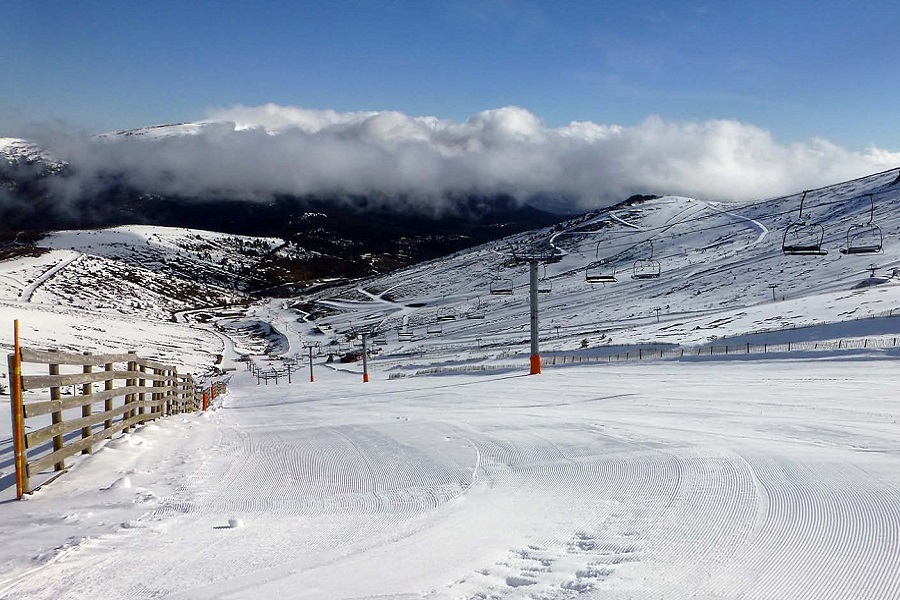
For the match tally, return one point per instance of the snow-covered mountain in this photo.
(769, 477)
(21, 150)
(722, 272)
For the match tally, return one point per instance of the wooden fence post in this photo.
(108, 386)
(176, 394)
(130, 398)
(141, 395)
(170, 400)
(56, 418)
(86, 390)
(17, 409)
(158, 397)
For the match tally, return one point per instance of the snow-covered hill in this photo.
(123, 288)
(721, 266)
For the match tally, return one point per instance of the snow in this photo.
(764, 475)
(631, 481)
(17, 149)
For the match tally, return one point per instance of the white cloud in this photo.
(256, 152)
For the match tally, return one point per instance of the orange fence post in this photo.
(16, 406)
(205, 401)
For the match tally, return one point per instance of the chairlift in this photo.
(802, 237)
(555, 256)
(646, 268)
(600, 276)
(446, 314)
(434, 328)
(865, 238)
(598, 272)
(536, 253)
(501, 286)
(476, 312)
(544, 285)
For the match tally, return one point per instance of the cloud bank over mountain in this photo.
(258, 152)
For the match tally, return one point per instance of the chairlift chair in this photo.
(404, 335)
(646, 268)
(476, 312)
(865, 238)
(446, 314)
(434, 328)
(501, 286)
(380, 340)
(600, 276)
(598, 272)
(802, 237)
(544, 285)
(555, 256)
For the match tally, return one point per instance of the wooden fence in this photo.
(84, 399)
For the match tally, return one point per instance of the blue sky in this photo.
(797, 69)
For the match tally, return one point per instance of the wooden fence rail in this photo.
(88, 398)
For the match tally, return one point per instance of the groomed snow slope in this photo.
(687, 480)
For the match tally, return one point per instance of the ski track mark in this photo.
(830, 532)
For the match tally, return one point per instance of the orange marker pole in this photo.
(535, 364)
(533, 301)
(17, 408)
(365, 358)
